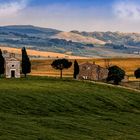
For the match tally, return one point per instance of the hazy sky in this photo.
(83, 15)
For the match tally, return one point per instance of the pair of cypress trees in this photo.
(26, 64)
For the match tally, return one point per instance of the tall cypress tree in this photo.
(2, 62)
(76, 69)
(26, 64)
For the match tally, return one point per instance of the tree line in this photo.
(115, 74)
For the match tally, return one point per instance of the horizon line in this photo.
(38, 26)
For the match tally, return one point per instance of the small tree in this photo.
(115, 74)
(2, 62)
(76, 69)
(137, 73)
(26, 64)
(61, 64)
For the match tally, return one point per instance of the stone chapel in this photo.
(12, 67)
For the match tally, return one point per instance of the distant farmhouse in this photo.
(12, 67)
(89, 71)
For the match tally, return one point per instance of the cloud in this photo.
(70, 17)
(127, 10)
(9, 9)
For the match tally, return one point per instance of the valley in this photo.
(84, 44)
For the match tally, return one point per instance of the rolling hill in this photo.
(114, 37)
(40, 108)
(78, 38)
(35, 54)
(88, 44)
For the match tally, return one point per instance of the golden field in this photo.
(39, 53)
(43, 67)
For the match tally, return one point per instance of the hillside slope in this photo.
(28, 30)
(38, 54)
(51, 109)
(131, 39)
(87, 44)
(78, 38)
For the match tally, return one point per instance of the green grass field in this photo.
(40, 108)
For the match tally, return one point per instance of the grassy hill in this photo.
(39, 108)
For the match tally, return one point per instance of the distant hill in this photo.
(29, 30)
(89, 44)
(78, 38)
(132, 39)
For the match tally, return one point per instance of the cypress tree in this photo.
(76, 69)
(137, 73)
(2, 62)
(26, 64)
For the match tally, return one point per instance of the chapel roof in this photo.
(11, 57)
